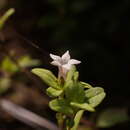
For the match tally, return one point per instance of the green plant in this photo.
(71, 97)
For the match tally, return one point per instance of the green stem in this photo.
(60, 120)
(77, 118)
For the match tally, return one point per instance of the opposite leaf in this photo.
(53, 92)
(47, 76)
(61, 105)
(83, 106)
(95, 96)
(96, 100)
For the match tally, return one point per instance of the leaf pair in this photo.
(74, 94)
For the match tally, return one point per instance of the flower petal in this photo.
(67, 66)
(66, 57)
(55, 57)
(55, 63)
(73, 62)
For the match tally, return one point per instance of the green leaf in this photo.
(8, 65)
(111, 117)
(53, 92)
(96, 100)
(27, 61)
(60, 105)
(95, 96)
(86, 85)
(68, 84)
(77, 119)
(93, 92)
(83, 106)
(47, 76)
(70, 74)
(75, 93)
(76, 76)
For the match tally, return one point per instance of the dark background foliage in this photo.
(95, 31)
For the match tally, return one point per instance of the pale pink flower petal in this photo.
(67, 66)
(66, 57)
(74, 62)
(55, 57)
(55, 63)
(64, 63)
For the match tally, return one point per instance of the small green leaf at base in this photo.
(53, 92)
(61, 105)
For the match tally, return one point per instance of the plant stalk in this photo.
(77, 118)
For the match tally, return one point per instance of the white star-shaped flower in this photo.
(64, 63)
